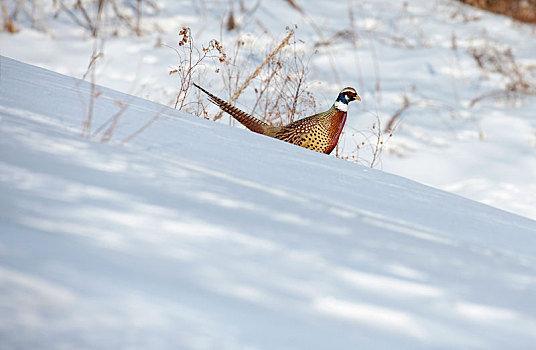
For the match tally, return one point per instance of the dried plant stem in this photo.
(91, 69)
(296, 97)
(8, 22)
(406, 104)
(263, 90)
(378, 146)
(88, 26)
(257, 71)
(375, 60)
(107, 136)
(86, 127)
(138, 18)
(186, 80)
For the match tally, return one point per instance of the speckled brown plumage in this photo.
(319, 132)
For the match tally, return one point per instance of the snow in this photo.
(197, 235)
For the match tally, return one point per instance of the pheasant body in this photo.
(319, 132)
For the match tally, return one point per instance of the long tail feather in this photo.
(245, 119)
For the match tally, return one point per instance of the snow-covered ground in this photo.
(424, 50)
(196, 235)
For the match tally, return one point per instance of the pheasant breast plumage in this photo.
(319, 132)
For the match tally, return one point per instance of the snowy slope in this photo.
(196, 235)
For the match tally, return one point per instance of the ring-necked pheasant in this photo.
(319, 132)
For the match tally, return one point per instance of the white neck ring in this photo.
(341, 106)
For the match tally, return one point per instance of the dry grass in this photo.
(190, 61)
(98, 52)
(518, 79)
(15, 13)
(279, 82)
(112, 16)
(94, 23)
(283, 94)
(256, 72)
(7, 24)
(520, 10)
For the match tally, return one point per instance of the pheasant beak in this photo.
(354, 96)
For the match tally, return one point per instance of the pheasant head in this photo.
(345, 96)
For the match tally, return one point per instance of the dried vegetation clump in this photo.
(277, 77)
(517, 78)
(520, 10)
(114, 17)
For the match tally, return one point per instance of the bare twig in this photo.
(87, 25)
(91, 69)
(405, 105)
